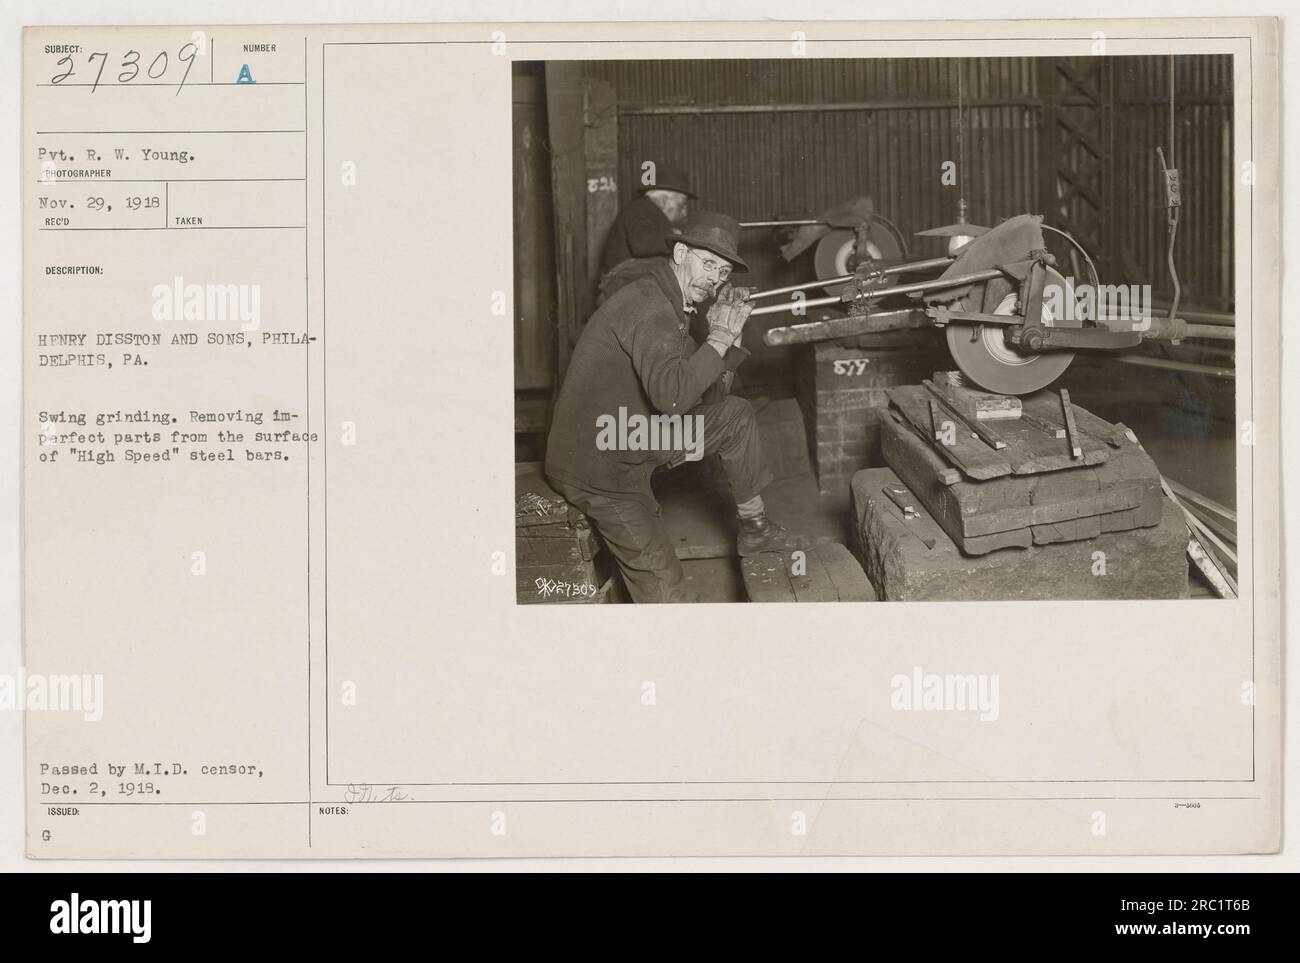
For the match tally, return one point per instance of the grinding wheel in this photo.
(831, 258)
(983, 355)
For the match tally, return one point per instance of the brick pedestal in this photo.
(841, 386)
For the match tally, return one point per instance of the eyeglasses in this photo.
(720, 268)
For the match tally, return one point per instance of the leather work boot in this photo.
(761, 534)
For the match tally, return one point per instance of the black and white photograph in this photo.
(817, 330)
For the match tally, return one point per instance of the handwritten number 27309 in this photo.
(130, 67)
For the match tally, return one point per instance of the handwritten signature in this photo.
(364, 793)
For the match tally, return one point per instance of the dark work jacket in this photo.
(637, 353)
(640, 230)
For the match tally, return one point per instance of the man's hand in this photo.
(727, 317)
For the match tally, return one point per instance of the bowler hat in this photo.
(713, 232)
(666, 177)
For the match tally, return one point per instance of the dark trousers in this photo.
(635, 533)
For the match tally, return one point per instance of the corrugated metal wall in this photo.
(1203, 155)
(766, 138)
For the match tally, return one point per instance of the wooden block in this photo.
(983, 432)
(546, 525)
(900, 496)
(919, 523)
(974, 404)
(982, 516)
(766, 578)
(845, 573)
(936, 422)
(1069, 530)
(809, 579)
(972, 456)
(536, 502)
(1071, 429)
(1046, 405)
(556, 545)
(1124, 430)
(1113, 435)
(558, 558)
(825, 573)
(1040, 448)
(573, 581)
(1143, 563)
(1029, 450)
(1047, 427)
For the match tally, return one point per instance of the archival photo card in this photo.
(971, 329)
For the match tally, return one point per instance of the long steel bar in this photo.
(916, 287)
(1203, 501)
(893, 269)
(1213, 332)
(1184, 366)
(791, 223)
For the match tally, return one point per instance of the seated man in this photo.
(641, 392)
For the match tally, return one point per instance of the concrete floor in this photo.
(792, 503)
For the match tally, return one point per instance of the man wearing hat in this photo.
(641, 228)
(637, 361)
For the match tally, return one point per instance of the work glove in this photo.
(728, 315)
